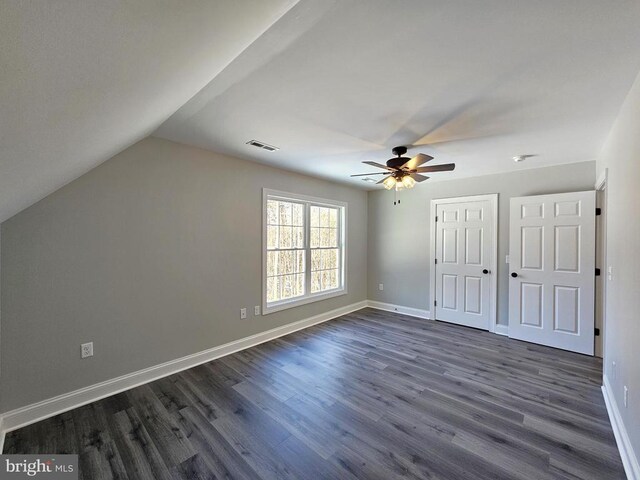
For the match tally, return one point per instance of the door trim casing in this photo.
(601, 185)
(493, 199)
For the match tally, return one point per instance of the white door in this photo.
(464, 259)
(552, 267)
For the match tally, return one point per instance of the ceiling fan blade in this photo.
(381, 181)
(366, 174)
(418, 178)
(445, 167)
(416, 161)
(379, 165)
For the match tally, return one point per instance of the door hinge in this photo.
(436, 218)
(436, 261)
(597, 332)
(435, 303)
(598, 211)
(597, 272)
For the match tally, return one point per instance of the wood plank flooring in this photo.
(371, 395)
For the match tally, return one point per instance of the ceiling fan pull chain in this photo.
(395, 197)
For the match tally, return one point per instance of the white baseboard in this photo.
(389, 307)
(22, 416)
(629, 458)
(500, 329)
(416, 312)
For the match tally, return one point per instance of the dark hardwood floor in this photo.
(369, 395)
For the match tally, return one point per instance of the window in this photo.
(303, 250)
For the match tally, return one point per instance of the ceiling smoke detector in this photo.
(262, 145)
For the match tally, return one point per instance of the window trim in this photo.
(308, 297)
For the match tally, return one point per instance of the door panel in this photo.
(567, 209)
(531, 304)
(450, 215)
(552, 253)
(450, 292)
(473, 214)
(473, 246)
(450, 245)
(567, 249)
(566, 311)
(473, 295)
(532, 248)
(464, 235)
(532, 210)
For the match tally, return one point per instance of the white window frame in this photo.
(308, 297)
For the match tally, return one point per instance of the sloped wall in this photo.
(151, 255)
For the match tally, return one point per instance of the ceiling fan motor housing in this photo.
(400, 160)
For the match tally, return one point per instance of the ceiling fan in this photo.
(404, 171)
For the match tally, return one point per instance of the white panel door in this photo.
(552, 268)
(464, 249)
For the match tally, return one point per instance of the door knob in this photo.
(514, 274)
(485, 271)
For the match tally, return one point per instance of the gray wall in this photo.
(151, 256)
(399, 235)
(621, 158)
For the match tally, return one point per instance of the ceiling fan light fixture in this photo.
(408, 181)
(389, 183)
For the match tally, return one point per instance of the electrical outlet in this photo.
(610, 272)
(380, 286)
(256, 310)
(613, 370)
(86, 350)
(626, 396)
(243, 313)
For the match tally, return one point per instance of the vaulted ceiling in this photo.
(81, 80)
(330, 82)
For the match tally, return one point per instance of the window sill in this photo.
(266, 310)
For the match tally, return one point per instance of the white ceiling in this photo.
(470, 82)
(80, 80)
(331, 82)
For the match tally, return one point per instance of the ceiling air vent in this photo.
(262, 145)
